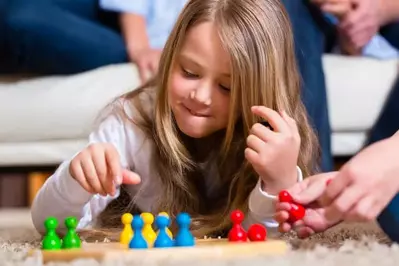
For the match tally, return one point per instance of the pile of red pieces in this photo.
(297, 211)
(256, 232)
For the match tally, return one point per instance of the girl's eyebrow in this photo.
(188, 59)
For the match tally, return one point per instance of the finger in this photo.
(291, 123)
(338, 9)
(130, 178)
(100, 165)
(305, 232)
(114, 165)
(262, 132)
(343, 203)
(252, 156)
(353, 18)
(363, 211)
(255, 143)
(339, 184)
(284, 228)
(91, 175)
(271, 116)
(79, 176)
(312, 193)
(283, 206)
(281, 216)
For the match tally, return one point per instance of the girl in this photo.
(190, 139)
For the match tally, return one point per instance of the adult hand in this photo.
(147, 61)
(365, 185)
(360, 24)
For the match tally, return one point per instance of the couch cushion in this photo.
(357, 88)
(60, 107)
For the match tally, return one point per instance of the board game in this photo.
(212, 249)
(140, 239)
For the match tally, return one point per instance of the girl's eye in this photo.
(224, 88)
(189, 74)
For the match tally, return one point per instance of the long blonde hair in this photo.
(257, 34)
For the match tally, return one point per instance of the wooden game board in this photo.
(203, 249)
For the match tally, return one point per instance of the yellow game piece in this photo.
(127, 232)
(167, 229)
(148, 233)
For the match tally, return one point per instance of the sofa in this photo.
(44, 120)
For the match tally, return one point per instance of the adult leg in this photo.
(388, 121)
(309, 48)
(57, 37)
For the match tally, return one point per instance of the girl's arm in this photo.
(61, 196)
(262, 208)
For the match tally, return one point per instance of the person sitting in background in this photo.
(71, 36)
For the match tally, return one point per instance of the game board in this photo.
(212, 249)
(139, 239)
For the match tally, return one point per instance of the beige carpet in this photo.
(349, 244)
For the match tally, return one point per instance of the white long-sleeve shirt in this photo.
(62, 196)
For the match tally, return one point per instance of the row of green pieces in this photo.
(51, 241)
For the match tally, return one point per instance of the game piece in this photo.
(237, 232)
(162, 240)
(284, 196)
(297, 212)
(51, 240)
(138, 241)
(167, 229)
(127, 232)
(257, 232)
(148, 233)
(184, 237)
(71, 239)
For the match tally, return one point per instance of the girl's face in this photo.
(199, 88)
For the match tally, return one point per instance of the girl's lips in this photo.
(195, 113)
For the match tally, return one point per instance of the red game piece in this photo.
(297, 212)
(237, 232)
(284, 196)
(257, 232)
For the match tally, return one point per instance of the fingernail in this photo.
(118, 180)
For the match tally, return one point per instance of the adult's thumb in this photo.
(310, 194)
(130, 178)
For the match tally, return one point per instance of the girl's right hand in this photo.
(97, 169)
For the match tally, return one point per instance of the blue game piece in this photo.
(162, 240)
(184, 238)
(138, 241)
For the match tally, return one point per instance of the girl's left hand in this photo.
(274, 154)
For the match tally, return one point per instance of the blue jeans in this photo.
(310, 31)
(57, 36)
(75, 35)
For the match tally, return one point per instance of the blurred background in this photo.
(62, 61)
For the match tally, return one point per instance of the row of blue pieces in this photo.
(183, 238)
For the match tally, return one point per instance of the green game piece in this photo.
(71, 239)
(51, 241)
